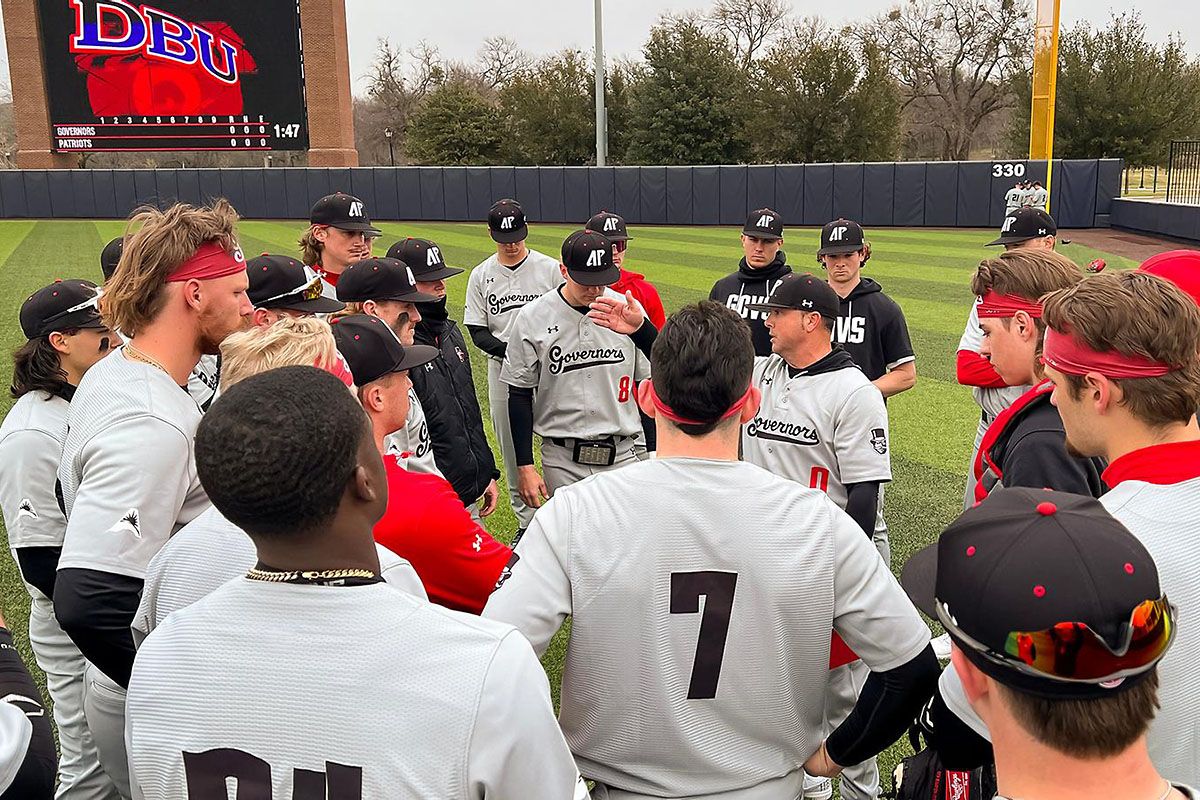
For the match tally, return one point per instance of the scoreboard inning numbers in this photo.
(178, 75)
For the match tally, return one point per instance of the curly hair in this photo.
(310, 248)
(36, 365)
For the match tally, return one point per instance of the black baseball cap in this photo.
(424, 258)
(804, 293)
(587, 255)
(283, 282)
(342, 211)
(841, 236)
(611, 225)
(110, 256)
(1027, 222)
(373, 351)
(61, 306)
(506, 222)
(1027, 562)
(379, 279)
(763, 223)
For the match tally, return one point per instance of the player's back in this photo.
(665, 693)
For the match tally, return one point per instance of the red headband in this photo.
(1006, 305)
(208, 262)
(338, 369)
(666, 411)
(1072, 357)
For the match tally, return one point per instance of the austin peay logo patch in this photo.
(25, 509)
(561, 361)
(777, 430)
(506, 573)
(130, 523)
(879, 440)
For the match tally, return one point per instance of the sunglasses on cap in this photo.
(91, 302)
(309, 291)
(1072, 652)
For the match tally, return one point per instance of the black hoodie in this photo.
(871, 327)
(748, 286)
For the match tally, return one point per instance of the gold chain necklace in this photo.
(138, 355)
(308, 576)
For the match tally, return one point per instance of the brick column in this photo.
(31, 115)
(327, 83)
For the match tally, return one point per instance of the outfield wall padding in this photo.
(1156, 217)
(906, 194)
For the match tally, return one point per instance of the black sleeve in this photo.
(887, 705)
(896, 343)
(39, 565)
(486, 341)
(96, 609)
(35, 778)
(648, 432)
(1040, 460)
(520, 420)
(643, 338)
(862, 504)
(959, 747)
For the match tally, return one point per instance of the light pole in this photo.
(601, 115)
(387, 134)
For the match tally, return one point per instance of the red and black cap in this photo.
(283, 282)
(763, 223)
(841, 236)
(1180, 267)
(506, 222)
(1046, 592)
(610, 225)
(110, 256)
(61, 306)
(804, 293)
(342, 211)
(372, 349)
(424, 258)
(380, 279)
(1027, 222)
(587, 255)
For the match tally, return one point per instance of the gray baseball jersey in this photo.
(668, 695)
(1012, 200)
(411, 445)
(363, 691)
(210, 551)
(202, 383)
(31, 441)
(495, 293)
(991, 400)
(824, 430)
(585, 375)
(128, 474)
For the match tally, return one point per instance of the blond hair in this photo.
(310, 248)
(289, 342)
(156, 243)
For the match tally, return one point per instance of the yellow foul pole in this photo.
(1045, 76)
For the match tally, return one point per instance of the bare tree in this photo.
(954, 61)
(748, 24)
(500, 60)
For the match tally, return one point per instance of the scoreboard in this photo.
(174, 76)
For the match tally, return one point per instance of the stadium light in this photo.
(601, 113)
(387, 134)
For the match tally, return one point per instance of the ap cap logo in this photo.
(596, 258)
(838, 233)
(433, 256)
(765, 221)
(610, 224)
(879, 440)
(506, 224)
(356, 208)
(130, 523)
(1008, 223)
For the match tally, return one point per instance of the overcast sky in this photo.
(458, 27)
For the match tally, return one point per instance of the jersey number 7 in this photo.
(717, 588)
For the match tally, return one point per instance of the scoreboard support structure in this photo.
(330, 115)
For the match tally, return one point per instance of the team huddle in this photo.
(246, 497)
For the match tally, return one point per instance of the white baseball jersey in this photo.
(668, 695)
(411, 445)
(1037, 197)
(128, 474)
(31, 441)
(16, 731)
(210, 551)
(202, 383)
(495, 293)
(353, 692)
(824, 430)
(1012, 200)
(585, 375)
(991, 400)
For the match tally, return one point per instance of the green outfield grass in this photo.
(926, 271)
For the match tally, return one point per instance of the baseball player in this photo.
(27, 757)
(340, 233)
(386, 288)
(870, 326)
(458, 561)
(445, 386)
(570, 380)
(735, 683)
(497, 289)
(1038, 197)
(1012, 199)
(822, 424)
(280, 286)
(472, 716)
(612, 227)
(210, 550)
(762, 267)
(180, 290)
(65, 337)
(1058, 656)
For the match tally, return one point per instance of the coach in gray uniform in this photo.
(65, 337)
(571, 381)
(497, 289)
(728, 692)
